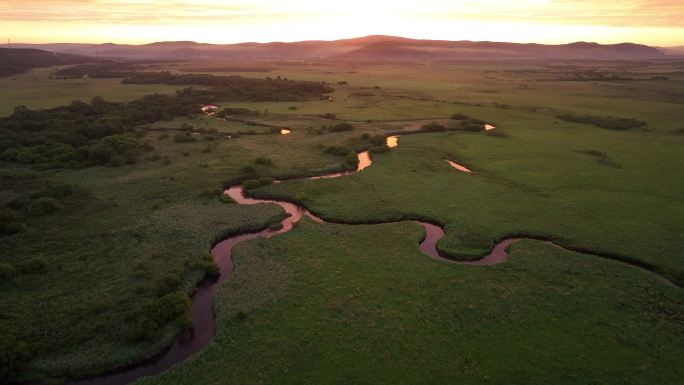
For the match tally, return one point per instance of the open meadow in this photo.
(106, 236)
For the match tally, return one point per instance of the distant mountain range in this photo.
(370, 48)
(673, 51)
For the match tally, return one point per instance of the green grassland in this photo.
(554, 190)
(37, 89)
(339, 304)
(347, 304)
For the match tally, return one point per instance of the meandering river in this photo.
(202, 301)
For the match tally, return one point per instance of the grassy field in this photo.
(526, 183)
(346, 304)
(35, 89)
(134, 233)
(336, 304)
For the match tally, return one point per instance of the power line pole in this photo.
(9, 43)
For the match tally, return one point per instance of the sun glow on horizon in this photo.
(655, 22)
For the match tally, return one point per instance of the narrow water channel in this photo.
(202, 301)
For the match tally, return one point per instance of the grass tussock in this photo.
(607, 122)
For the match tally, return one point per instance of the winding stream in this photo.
(202, 301)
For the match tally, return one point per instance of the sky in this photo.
(653, 22)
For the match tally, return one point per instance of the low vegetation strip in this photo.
(607, 122)
(18, 60)
(237, 88)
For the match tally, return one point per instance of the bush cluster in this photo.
(236, 88)
(255, 183)
(338, 150)
(264, 161)
(153, 314)
(607, 122)
(459, 116)
(433, 127)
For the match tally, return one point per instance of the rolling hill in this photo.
(375, 48)
(18, 60)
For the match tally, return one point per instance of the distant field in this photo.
(341, 304)
(36, 90)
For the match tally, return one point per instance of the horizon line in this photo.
(346, 38)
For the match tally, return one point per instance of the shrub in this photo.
(352, 159)
(607, 122)
(378, 140)
(602, 157)
(153, 314)
(249, 170)
(596, 153)
(210, 267)
(225, 198)
(115, 161)
(17, 174)
(7, 272)
(302, 197)
(11, 228)
(472, 127)
(342, 127)
(57, 191)
(365, 136)
(264, 161)
(337, 150)
(328, 115)
(164, 136)
(266, 181)
(251, 184)
(13, 358)
(183, 137)
(315, 131)
(9, 222)
(459, 116)
(255, 183)
(100, 154)
(44, 206)
(104, 126)
(36, 265)
(433, 127)
(379, 149)
(292, 108)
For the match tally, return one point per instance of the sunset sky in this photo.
(654, 22)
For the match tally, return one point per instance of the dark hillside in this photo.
(18, 60)
(384, 48)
